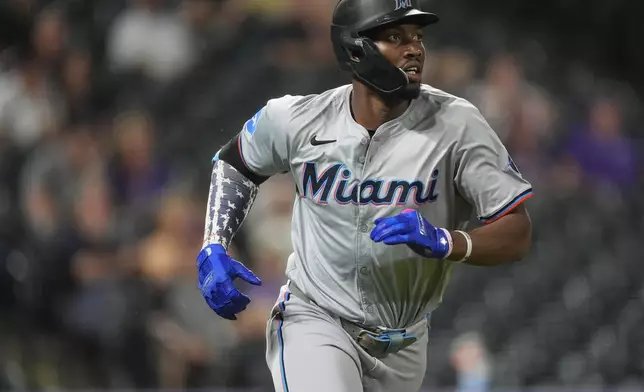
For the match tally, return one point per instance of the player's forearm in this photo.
(506, 240)
(230, 198)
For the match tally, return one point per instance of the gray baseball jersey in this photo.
(440, 157)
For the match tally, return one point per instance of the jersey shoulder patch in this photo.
(251, 125)
(512, 165)
(269, 117)
(287, 113)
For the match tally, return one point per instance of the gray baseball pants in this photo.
(307, 350)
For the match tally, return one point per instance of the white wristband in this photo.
(468, 249)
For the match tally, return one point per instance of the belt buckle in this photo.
(387, 331)
(381, 341)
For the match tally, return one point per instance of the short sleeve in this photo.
(486, 176)
(263, 141)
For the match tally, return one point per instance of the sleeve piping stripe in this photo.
(508, 207)
(241, 155)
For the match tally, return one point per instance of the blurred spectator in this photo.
(49, 37)
(600, 146)
(470, 359)
(500, 94)
(450, 70)
(54, 177)
(76, 84)
(86, 95)
(503, 94)
(94, 214)
(137, 174)
(146, 38)
(65, 209)
(531, 136)
(520, 112)
(29, 104)
(95, 317)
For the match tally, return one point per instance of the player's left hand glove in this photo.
(416, 232)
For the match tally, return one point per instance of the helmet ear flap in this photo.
(363, 58)
(376, 71)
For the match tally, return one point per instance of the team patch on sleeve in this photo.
(251, 124)
(216, 157)
(512, 165)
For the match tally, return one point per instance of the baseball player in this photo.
(389, 173)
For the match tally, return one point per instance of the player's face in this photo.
(403, 46)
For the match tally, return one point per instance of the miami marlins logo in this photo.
(401, 4)
(335, 181)
(251, 124)
(512, 165)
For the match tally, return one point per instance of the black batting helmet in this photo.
(352, 19)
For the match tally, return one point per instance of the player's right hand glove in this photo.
(217, 271)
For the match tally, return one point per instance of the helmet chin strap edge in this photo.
(379, 89)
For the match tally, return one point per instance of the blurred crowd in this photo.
(110, 111)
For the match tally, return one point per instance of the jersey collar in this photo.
(408, 120)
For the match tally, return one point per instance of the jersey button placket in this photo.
(362, 252)
(363, 237)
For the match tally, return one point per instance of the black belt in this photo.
(378, 341)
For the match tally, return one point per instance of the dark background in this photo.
(110, 111)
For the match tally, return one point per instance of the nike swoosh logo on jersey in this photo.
(316, 142)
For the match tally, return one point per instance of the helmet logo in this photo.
(402, 4)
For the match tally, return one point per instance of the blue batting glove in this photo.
(217, 271)
(411, 229)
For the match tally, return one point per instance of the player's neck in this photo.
(371, 110)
